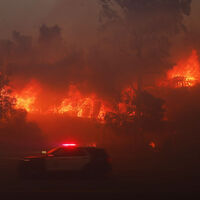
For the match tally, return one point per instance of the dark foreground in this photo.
(126, 182)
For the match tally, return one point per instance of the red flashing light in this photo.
(69, 145)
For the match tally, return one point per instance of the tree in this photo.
(148, 25)
(6, 101)
(151, 110)
(50, 35)
(151, 120)
(16, 133)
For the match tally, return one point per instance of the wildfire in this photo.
(152, 144)
(74, 103)
(126, 105)
(25, 99)
(78, 105)
(82, 107)
(186, 73)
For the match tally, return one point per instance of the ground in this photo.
(125, 182)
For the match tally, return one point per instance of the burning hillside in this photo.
(26, 98)
(74, 103)
(104, 80)
(187, 72)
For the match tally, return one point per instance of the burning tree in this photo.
(186, 73)
(148, 26)
(6, 101)
(15, 130)
(151, 110)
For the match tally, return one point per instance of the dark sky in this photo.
(74, 17)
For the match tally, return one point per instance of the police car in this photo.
(68, 159)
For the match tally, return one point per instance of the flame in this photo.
(152, 144)
(126, 106)
(74, 103)
(26, 98)
(187, 72)
(78, 105)
(25, 103)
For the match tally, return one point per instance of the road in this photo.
(123, 184)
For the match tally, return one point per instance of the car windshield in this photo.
(67, 151)
(53, 150)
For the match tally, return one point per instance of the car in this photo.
(67, 159)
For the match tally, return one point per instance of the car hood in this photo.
(35, 157)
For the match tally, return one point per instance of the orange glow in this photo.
(74, 103)
(152, 144)
(102, 113)
(127, 102)
(186, 73)
(25, 99)
(25, 102)
(92, 145)
(92, 107)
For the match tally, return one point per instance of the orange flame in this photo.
(187, 72)
(152, 144)
(26, 98)
(77, 105)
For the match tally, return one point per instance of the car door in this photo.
(69, 159)
(77, 159)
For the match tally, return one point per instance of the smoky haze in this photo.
(101, 47)
(92, 44)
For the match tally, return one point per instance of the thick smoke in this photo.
(132, 41)
(148, 29)
(134, 34)
(17, 133)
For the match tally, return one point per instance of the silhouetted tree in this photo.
(50, 35)
(151, 110)
(6, 101)
(148, 26)
(16, 133)
(22, 43)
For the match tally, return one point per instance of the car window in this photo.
(69, 152)
(94, 152)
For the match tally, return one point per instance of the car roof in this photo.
(88, 148)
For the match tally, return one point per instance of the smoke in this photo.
(133, 35)
(19, 134)
(183, 113)
(102, 47)
(57, 64)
